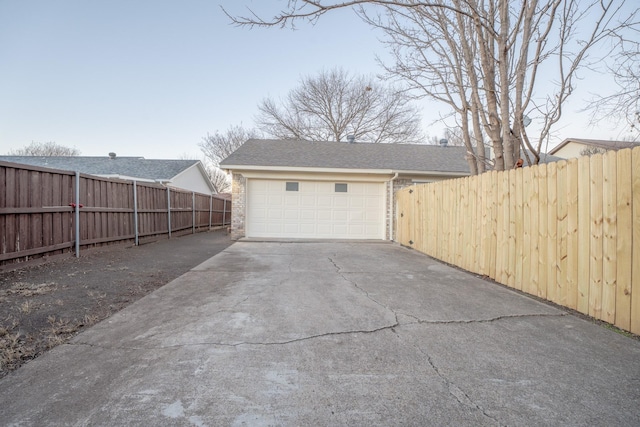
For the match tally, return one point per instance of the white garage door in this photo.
(315, 209)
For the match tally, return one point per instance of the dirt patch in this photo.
(44, 305)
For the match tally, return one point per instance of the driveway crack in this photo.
(363, 291)
(244, 343)
(458, 394)
(419, 321)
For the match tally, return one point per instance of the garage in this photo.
(315, 209)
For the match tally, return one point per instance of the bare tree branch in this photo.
(218, 146)
(47, 149)
(334, 104)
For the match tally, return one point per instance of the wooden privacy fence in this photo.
(42, 210)
(568, 232)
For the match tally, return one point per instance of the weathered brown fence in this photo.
(568, 232)
(42, 210)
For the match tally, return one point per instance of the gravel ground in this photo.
(46, 304)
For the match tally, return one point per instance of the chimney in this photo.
(112, 155)
(351, 139)
(443, 142)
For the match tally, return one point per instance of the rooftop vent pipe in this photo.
(112, 155)
(351, 139)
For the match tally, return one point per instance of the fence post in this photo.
(224, 212)
(193, 212)
(210, 209)
(169, 210)
(135, 211)
(77, 214)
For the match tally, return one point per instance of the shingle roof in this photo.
(342, 155)
(599, 143)
(135, 167)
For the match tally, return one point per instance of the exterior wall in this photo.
(191, 180)
(571, 150)
(238, 204)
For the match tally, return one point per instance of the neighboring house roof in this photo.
(121, 167)
(545, 158)
(344, 155)
(597, 143)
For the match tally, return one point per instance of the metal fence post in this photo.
(77, 214)
(135, 211)
(169, 210)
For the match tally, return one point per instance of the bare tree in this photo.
(495, 63)
(219, 178)
(454, 136)
(623, 105)
(333, 104)
(218, 146)
(47, 149)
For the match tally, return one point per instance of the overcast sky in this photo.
(152, 77)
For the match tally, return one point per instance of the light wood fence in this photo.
(42, 210)
(568, 232)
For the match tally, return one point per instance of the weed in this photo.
(13, 348)
(60, 330)
(618, 330)
(27, 307)
(89, 320)
(97, 295)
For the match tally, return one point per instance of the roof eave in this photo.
(305, 169)
(252, 168)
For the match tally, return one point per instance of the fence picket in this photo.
(572, 233)
(595, 255)
(624, 240)
(561, 236)
(635, 250)
(609, 242)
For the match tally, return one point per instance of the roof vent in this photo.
(351, 139)
(112, 155)
(443, 142)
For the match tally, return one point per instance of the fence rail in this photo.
(568, 232)
(43, 210)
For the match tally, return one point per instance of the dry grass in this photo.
(96, 295)
(61, 330)
(28, 306)
(24, 289)
(13, 347)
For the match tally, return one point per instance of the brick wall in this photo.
(238, 198)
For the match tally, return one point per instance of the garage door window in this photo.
(341, 188)
(292, 186)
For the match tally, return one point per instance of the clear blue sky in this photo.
(152, 77)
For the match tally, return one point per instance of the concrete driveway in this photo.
(269, 333)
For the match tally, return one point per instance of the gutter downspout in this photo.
(392, 207)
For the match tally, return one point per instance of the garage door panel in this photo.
(292, 215)
(323, 215)
(342, 216)
(275, 213)
(316, 210)
(323, 201)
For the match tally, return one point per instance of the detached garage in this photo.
(328, 190)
